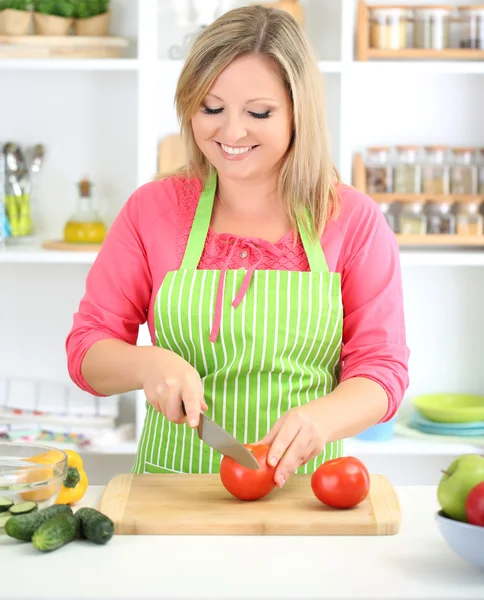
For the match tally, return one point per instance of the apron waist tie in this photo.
(233, 241)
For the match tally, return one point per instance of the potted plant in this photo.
(15, 17)
(92, 17)
(53, 17)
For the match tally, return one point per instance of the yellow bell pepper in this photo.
(76, 482)
(37, 475)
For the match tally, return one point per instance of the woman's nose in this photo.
(234, 129)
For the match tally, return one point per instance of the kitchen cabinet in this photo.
(104, 119)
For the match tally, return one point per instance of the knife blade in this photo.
(222, 441)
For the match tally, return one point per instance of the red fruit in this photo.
(248, 484)
(341, 483)
(475, 505)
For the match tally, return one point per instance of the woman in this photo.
(272, 291)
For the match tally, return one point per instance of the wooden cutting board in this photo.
(173, 504)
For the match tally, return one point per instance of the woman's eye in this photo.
(264, 115)
(212, 111)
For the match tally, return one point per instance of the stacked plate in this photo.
(459, 415)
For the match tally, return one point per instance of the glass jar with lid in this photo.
(431, 27)
(435, 170)
(408, 171)
(413, 220)
(440, 218)
(481, 172)
(379, 170)
(387, 210)
(388, 27)
(472, 18)
(463, 171)
(469, 221)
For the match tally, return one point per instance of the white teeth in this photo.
(231, 150)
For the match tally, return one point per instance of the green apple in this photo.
(457, 480)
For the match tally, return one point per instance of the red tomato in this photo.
(475, 505)
(248, 484)
(341, 483)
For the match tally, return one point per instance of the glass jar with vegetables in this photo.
(379, 171)
(435, 170)
(431, 26)
(413, 220)
(463, 172)
(469, 221)
(472, 18)
(388, 27)
(440, 218)
(408, 171)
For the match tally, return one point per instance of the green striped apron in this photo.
(263, 341)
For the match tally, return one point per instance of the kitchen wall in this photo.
(101, 122)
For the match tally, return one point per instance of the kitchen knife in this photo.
(225, 443)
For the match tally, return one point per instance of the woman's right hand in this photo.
(169, 380)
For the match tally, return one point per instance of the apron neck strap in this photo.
(201, 223)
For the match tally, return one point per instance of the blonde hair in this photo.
(308, 178)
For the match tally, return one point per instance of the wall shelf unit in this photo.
(105, 119)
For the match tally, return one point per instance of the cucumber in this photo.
(22, 527)
(4, 517)
(55, 532)
(95, 526)
(5, 504)
(23, 508)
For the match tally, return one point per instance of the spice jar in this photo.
(469, 221)
(440, 219)
(431, 27)
(481, 174)
(463, 172)
(379, 171)
(386, 209)
(413, 220)
(388, 27)
(408, 173)
(473, 20)
(435, 171)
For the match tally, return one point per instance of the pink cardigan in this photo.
(148, 239)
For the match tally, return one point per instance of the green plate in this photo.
(450, 408)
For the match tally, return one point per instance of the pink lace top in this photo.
(149, 237)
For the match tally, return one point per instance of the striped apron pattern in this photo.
(263, 341)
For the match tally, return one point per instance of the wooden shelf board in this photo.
(67, 46)
(443, 198)
(419, 54)
(440, 240)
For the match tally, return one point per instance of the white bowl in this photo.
(465, 539)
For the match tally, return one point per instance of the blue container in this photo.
(381, 432)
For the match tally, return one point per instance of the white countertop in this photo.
(416, 563)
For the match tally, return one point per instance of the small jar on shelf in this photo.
(413, 220)
(408, 171)
(440, 219)
(463, 172)
(379, 171)
(481, 172)
(472, 18)
(388, 27)
(435, 171)
(431, 27)
(387, 210)
(469, 221)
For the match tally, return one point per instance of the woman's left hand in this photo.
(295, 439)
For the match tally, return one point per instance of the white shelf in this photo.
(81, 64)
(38, 255)
(414, 258)
(397, 446)
(418, 66)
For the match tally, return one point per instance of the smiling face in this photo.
(244, 125)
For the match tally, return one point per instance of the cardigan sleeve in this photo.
(374, 336)
(117, 294)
